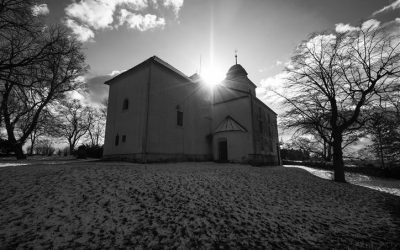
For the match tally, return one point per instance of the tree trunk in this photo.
(329, 158)
(381, 149)
(71, 148)
(338, 163)
(33, 139)
(19, 153)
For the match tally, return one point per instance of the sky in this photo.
(202, 35)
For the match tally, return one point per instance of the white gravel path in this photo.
(391, 186)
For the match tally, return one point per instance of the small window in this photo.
(261, 126)
(179, 118)
(125, 104)
(124, 138)
(116, 140)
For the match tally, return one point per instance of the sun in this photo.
(212, 76)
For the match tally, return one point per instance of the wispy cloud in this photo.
(392, 6)
(40, 10)
(97, 15)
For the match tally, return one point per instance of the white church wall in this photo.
(129, 122)
(170, 93)
(239, 145)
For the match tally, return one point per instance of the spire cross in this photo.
(236, 55)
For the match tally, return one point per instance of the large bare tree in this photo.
(29, 89)
(335, 79)
(38, 65)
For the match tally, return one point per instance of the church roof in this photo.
(235, 71)
(156, 60)
(196, 77)
(228, 125)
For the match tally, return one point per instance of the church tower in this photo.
(236, 78)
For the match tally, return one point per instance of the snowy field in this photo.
(189, 205)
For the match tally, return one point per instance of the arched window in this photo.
(125, 104)
(179, 116)
(116, 140)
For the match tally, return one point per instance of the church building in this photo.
(156, 113)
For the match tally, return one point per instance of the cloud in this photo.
(96, 15)
(116, 72)
(343, 28)
(370, 24)
(140, 22)
(81, 32)
(392, 6)
(269, 87)
(97, 91)
(40, 10)
(274, 82)
(176, 5)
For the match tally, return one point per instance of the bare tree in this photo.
(335, 79)
(74, 122)
(44, 128)
(97, 123)
(21, 42)
(384, 130)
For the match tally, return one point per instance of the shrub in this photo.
(93, 151)
(45, 148)
(81, 152)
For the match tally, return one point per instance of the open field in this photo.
(189, 205)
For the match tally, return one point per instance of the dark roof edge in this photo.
(149, 60)
(265, 105)
(230, 117)
(232, 79)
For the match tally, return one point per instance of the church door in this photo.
(223, 150)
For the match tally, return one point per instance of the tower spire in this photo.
(236, 55)
(200, 65)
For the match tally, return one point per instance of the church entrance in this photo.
(223, 150)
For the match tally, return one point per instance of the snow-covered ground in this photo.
(12, 164)
(189, 205)
(41, 161)
(391, 186)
